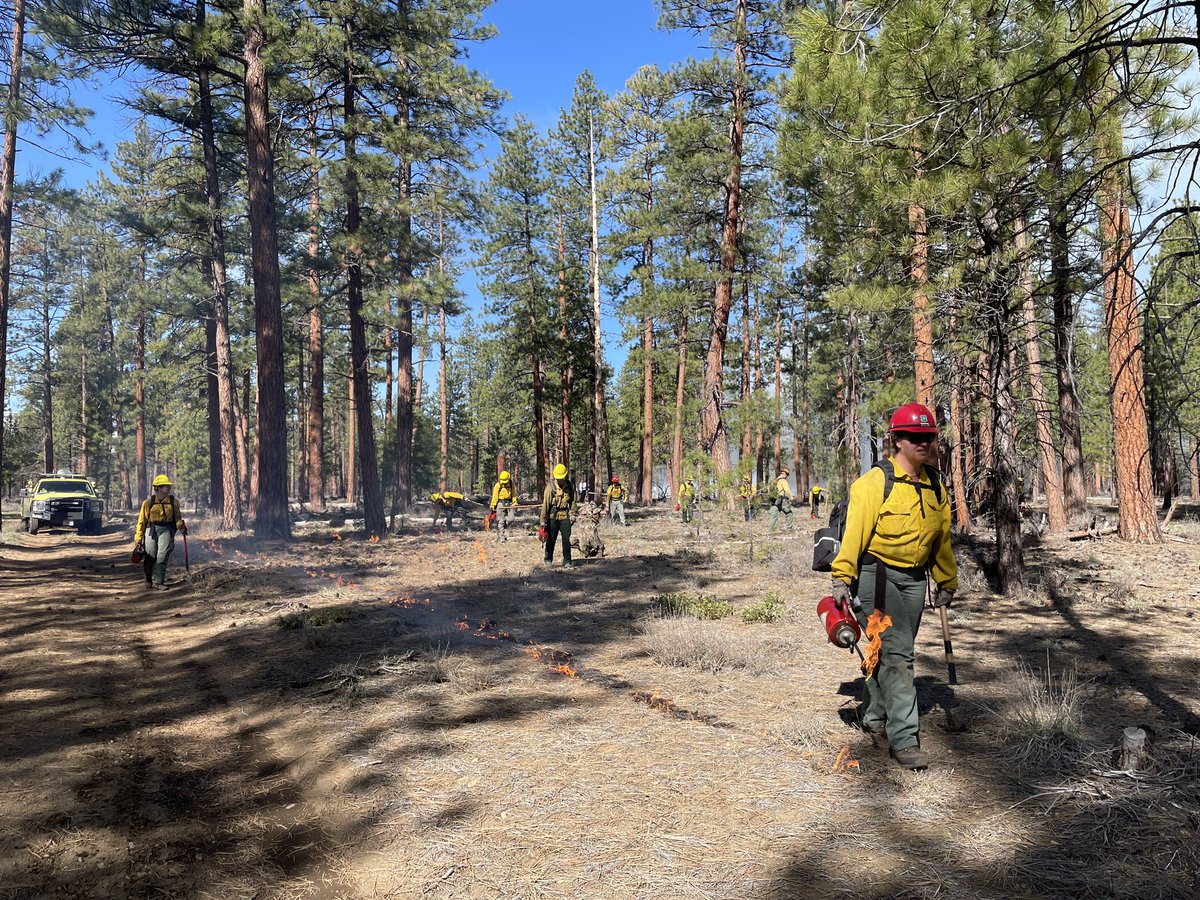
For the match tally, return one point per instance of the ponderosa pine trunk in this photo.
(960, 428)
(232, 516)
(315, 419)
(8, 168)
(714, 438)
(600, 473)
(747, 435)
(676, 474)
(922, 320)
(1138, 521)
(1055, 511)
(139, 384)
(568, 366)
(404, 340)
(271, 517)
(645, 485)
(374, 523)
(46, 362)
(212, 404)
(351, 465)
(1070, 435)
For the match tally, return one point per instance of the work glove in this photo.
(183, 530)
(543, 534)
(139, 547)
(943, 597)
(841, 593)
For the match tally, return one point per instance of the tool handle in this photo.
(952, 673)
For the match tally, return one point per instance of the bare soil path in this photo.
(435, 715)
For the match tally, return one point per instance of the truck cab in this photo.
(61, 500)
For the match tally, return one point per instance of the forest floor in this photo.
(437, 715)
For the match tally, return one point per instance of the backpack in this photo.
(828, 540)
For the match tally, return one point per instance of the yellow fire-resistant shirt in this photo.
(617, 492)
(157, 512)
(503, 493)
(911, 527)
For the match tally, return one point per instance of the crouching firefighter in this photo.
(158, 521)
(897, 535)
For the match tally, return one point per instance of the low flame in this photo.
(336, 536)
(482, 553)
(877, 624)
(564, 669)
(374, 539)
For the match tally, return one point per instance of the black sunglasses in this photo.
(914, 438)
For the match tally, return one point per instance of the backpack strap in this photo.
(889, 479)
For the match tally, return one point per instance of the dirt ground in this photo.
(436, 715)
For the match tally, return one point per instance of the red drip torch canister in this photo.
(841, 627)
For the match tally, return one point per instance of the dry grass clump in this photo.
(690, 643)
(1043, 722)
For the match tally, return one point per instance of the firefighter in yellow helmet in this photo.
(747, 497)
(687, 500)
(158, 521)
(816, 495)
(558, 512)
(781, 499)
(447, 503)
(504, 504)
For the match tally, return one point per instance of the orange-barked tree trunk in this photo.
(1138, 520)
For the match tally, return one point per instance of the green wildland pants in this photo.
(159, 541)
(889, 696)
(783, 505)
(554, 528)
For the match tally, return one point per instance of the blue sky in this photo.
(541, 48)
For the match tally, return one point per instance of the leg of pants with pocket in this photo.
(160, 541)
(890, 696)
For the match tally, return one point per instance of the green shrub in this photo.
(680, 603)
(769, 609)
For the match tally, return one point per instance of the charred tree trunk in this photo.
(271, 517)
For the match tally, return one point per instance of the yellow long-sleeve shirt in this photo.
(503, 493)
(158, 512)
(911, 527)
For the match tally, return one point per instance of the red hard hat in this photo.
(915, 418)
(616, 480)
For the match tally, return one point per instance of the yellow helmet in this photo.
(505, 478)
(162, 481)
(560, 471)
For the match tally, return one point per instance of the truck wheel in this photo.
(34, 525)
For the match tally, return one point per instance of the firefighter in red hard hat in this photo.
(616, 496)
(894, 541)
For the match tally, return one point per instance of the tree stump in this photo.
(1133, 746)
